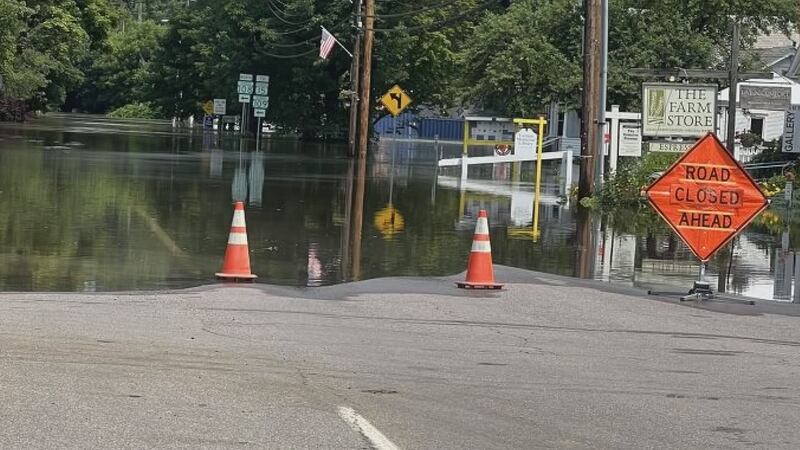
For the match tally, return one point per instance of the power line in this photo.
(417, 11)
(440, 23)
(298, 55)
(288, 22)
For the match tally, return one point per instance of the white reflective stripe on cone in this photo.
(481, 247)
(237, 238)
(482, 227)
(238, 219)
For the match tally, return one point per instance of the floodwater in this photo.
(95, 204)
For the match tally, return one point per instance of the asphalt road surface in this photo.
(403, 363)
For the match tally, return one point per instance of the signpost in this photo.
(245, 89)
(260, 103)
(671, 109)
(791, 133)
(707, 198)
(395, 100)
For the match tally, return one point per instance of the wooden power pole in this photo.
(591, 92)
(352, 135)
(733, 78)
(366, 75)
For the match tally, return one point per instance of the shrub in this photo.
(135, 111)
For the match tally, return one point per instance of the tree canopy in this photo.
(512, 57)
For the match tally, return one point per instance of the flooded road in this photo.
(90, 203)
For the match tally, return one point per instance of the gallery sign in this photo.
(791, 133)
(681, 110)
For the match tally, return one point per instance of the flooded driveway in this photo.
(90, 203)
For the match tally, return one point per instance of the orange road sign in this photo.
(706, 197)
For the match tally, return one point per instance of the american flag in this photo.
(326, 43)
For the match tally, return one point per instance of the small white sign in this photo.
(220, 106)
(525, 143)
(791, 133)
(245, 77)
(669, 147)
(258, 112)
(244, 98)
(630, 139)
(262, 79)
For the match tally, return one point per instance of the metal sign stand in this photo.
(258, 134)
(701, 289)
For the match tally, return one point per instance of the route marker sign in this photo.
(706, 197)
(244, 87)
(395, 100)
(260, 101)
(258, 112)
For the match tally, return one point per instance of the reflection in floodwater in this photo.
(586, 239)
(99, 204)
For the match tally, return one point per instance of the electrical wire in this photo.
(417, 11)
(288, 22)
(440, 23)
(283, 11)
(298, 55)
(297, 44)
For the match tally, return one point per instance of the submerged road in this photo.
(397, 363)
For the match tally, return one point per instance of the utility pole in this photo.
(139, 6)
(732, 84)
(366, 74)
(601, 107)
(591, 90)
(354, 94)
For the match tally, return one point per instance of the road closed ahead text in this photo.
(708, 196)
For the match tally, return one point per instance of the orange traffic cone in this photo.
(480, 274)
(237, 256)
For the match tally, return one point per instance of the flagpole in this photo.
(337, 41)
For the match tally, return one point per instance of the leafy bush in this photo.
(135, 111)
(624, 187)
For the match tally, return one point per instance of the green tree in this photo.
(122, 73)
(520, 59)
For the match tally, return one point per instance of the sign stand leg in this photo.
(701, 289)
(258, 133)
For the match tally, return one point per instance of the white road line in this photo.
(361, 425)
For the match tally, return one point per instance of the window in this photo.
(757, 126)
